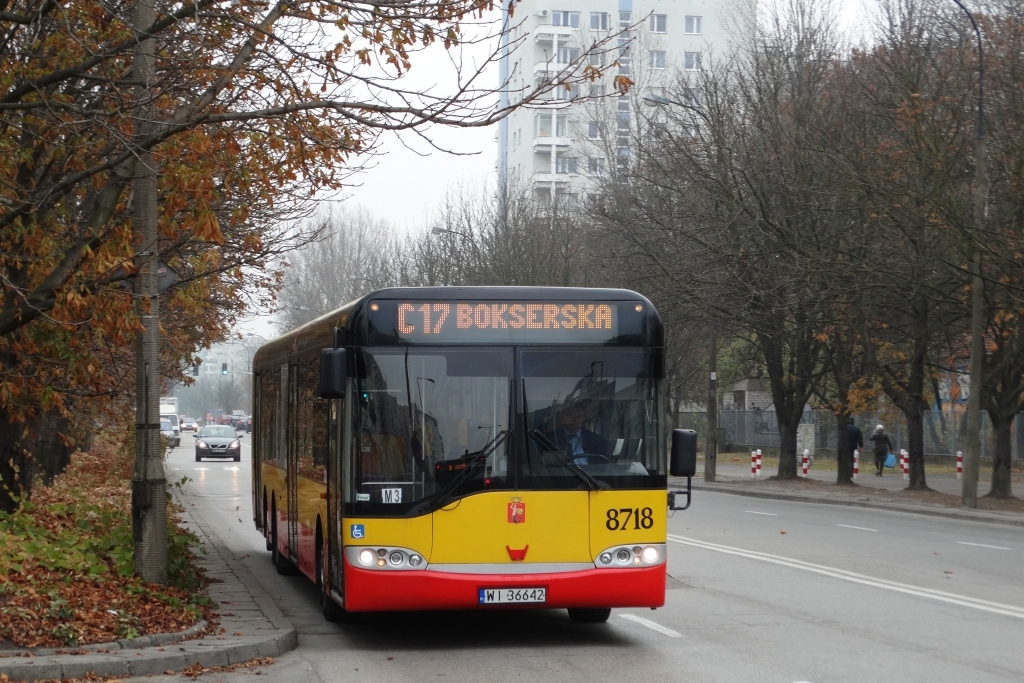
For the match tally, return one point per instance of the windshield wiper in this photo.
(588, 479)
(442, 497)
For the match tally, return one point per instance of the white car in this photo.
(168, 431)
(189, 425)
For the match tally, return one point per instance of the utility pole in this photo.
(972, 452)
(149, 495)
(711, 441)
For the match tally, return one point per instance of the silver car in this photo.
(218, 441)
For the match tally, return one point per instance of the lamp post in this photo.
(711, 440)
(972, 452)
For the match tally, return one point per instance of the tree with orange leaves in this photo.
(253, 108)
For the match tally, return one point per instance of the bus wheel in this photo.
(266, 529)
(332, 611)
(590, 616)
(282, 564)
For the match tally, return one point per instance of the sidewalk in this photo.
(253, 628)
(886, 492)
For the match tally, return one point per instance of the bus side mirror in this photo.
(333, 373)
(684, 453)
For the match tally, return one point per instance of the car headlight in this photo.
(366, 557)
(234, 444)
(201, 444)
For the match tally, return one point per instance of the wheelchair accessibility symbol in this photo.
(357, 531)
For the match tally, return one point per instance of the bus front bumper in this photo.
(368, 590)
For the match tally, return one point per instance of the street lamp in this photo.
(444, 231)
(969, 492)
(711, 441)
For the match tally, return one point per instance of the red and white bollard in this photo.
(905, 464)
(856, 463)
(806, 461)
(753, 464)
(758, 463)
(959, 465)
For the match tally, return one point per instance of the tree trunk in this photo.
(915, 436)
(1001, 462)
(14, 466)
(844, 450)
(787, 446)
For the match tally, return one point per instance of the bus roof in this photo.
(319, 333)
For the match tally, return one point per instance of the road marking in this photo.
(652, 625)
(860, 528)
(231, 469)
(200, 469)
(766, 514)
(853, 577)
(984, 545)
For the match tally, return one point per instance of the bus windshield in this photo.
(595, 409)
(423, 414)
(435, 424)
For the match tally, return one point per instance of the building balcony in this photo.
(547, 69)
(558, 179)
(544, 143)
(546, 34)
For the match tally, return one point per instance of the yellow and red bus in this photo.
(470, 448)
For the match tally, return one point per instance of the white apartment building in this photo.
(562, 145)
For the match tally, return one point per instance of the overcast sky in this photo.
(405, 182)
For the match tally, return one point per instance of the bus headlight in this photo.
(387, 558)
(627, 556)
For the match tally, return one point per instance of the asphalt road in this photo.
(761, 591)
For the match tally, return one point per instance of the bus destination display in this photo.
(494, 321)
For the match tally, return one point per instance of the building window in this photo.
(598, 21)
(596, 89)
(691, 61)
(593, 130)
(566, 165)
(596, 59)
(543, 125)
(693, 26)
(566, 91)
(622, 121)
(561, 126)
(595, 165)
(570, 19)
(567, 55)
(691, 96)
(623, 103)
(625, 19)
(658, 22)
(657, 59)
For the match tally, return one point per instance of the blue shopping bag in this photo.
(890, 461)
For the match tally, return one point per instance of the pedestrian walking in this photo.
(882, 447)
(854, 438)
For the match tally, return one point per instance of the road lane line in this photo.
(652, 625)
(861, 528)
(863, 579)
(200, 469)
(984, 545)
(766, 514)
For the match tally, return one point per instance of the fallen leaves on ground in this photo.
(197, 670)
(66, 568)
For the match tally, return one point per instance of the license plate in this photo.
(508, 596)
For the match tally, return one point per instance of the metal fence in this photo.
(945, 431)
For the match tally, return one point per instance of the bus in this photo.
(470, 448)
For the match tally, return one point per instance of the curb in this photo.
(949, 513)
(153, 640)
(163, 653)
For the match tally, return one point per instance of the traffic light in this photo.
(223, 368)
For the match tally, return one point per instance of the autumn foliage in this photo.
(66, 574)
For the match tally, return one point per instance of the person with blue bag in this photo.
(882, 447)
